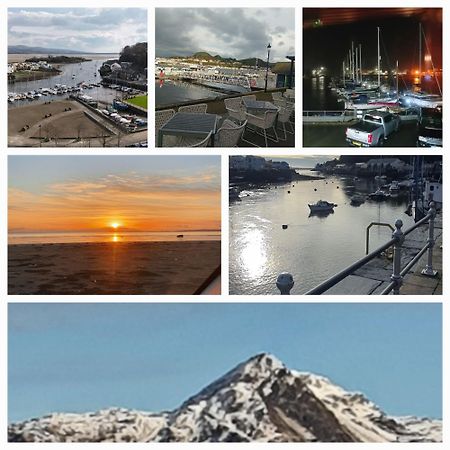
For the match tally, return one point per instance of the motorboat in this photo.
(394, 186)
(378, 195)
(321, 206)
(357, 200)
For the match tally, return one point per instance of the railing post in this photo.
(397, 263)
(428, 270)
(285, 283)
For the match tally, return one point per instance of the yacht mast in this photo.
(420, 52)
(379, 57)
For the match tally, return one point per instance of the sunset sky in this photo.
(99, 193)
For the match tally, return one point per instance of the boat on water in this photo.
(394, 187)
(233, 193)
(357, 200)
(379, 195)
(321, 206)
(421, 100)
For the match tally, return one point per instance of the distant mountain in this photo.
(21, 49)
(258, 401)
(246, 62)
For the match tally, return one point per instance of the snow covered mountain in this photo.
(259, 400)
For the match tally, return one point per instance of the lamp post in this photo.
(267, 66)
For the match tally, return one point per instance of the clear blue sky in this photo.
(82, 357)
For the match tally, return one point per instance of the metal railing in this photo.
(285, 281)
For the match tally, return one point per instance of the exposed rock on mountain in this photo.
(259, 400)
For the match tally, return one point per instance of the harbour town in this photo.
(335, 225)
(386, 87)
(239, 97)
(67, 98)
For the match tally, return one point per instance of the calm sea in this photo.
(312, 248)
(77, 237)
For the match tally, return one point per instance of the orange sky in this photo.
(135, 201)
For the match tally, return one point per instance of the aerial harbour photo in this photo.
(226, 78)
(379, 84)
(77, 77)
(335, 225)
(109, 225)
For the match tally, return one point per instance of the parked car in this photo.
(429, 131)
(373, 129)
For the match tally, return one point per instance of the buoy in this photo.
(284, 227)
(315, 189)
(337, 187)
(289, 192)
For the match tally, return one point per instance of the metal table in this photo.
(259, 106)
(189, 124)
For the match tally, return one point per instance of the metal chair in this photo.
(284, 116)
(264, 122)
(200, 108)
(161, 118)
(185, 141)
(235, 108)
(229, 134)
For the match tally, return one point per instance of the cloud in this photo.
(230, 32)
(138, 201)
(84, 29)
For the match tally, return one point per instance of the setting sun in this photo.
(115, 225)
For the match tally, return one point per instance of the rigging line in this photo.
(432, 64)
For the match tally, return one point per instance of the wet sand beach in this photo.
(111, 267)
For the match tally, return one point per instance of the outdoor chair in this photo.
(284, 118)
(264, 123)
(161, 118)
(185, 141)
(200, 108)
(229, 134)
(235, 108)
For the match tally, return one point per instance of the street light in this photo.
(267, 66)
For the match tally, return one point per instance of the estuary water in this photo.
(71, 74)
(313, 247)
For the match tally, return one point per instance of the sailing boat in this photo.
(362, 101)
(422, 99)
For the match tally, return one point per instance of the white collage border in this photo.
(150, 5)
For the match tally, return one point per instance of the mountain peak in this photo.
(259, 400)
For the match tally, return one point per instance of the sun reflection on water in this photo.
(253, 253)
(115, 238)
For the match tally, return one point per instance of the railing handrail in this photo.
(332, 281)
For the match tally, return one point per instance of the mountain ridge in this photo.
(260, 400)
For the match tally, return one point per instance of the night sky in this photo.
(326, 43)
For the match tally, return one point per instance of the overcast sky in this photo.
(229, 32)
(85, 29)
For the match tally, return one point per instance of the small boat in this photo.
(180, 235)
(322, 206)
(378, 195)
(394, 186)
(357, 200)
(284, 227)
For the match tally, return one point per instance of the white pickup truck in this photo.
(373, 129)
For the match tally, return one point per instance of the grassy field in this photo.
(140, 100)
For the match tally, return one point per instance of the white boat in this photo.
(421, 100)
(378, 195)
(322, 206)
(394, 186)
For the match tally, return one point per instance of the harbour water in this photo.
(313, 247)
(168, 92)
(71, 75)
(117, 236)
(317, 95)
